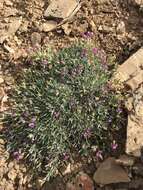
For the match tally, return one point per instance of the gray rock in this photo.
(60, 8)
(121, 29)
(138, 169)
(35, 38)
(48, 26)
(110, 172)
(101, 2)
(1, 93)
(13, 26)
(126, 160)
(136, 184)
(137, 2)
(1, 80)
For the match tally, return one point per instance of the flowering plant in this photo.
(63, 105)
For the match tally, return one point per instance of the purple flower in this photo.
(110, 120)
(45, 62)
(114, 145)
(99, 155)
(32, 125)
(66, 156)
(16, 155)
(56, 115)
(88, 35)
(95, 50)
(87, 133)
(119, 110)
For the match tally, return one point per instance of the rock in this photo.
(121, 29)
(1, 4)
(39, 183)
(134, 140)
(24, 26)
(9, 80)
(20, 53)
(9, 186)
(60, 8)
(126, 160)
(8, 3)
(135, 82)
(35, 38)
(138, 107)
(2, 142)
(130, 73)
(136, 184)
(48, 26)
(8, 49)
(10, 165)
(1, 93)
(70, 186)
(131, 67)
(13, 26)
(129, 103)
(56, 184)
(3, 36)
(1, 80)
(10, 11)
(101, 2)
(2, 161)
(110, 172)
(137, 2)
(105, 29)
(83, 181)
(66, 29)
(12, 174)
(138, 169)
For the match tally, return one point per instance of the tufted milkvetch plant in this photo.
(63, 105)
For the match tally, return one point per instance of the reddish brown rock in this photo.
(83, 181)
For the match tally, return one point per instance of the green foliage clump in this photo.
(63, 106)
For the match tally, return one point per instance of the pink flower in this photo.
(99, 155)
(95, 50)
(31, 125)
(66, 156)
(16, 155)
(87, 133)
(87, 35)
(45, 62)
(114, 145)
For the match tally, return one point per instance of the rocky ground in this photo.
(117, 28)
